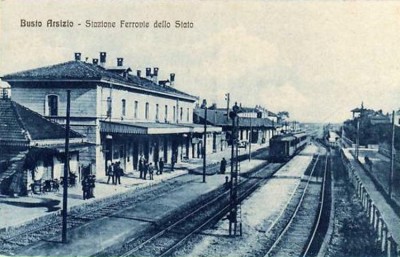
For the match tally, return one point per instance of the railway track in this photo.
(163, 241)
(300, 232)
(12, 241)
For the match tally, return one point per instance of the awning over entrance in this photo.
(143, 128)
(198, 128)
(153, 128)
(122, 128)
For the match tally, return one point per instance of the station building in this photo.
(32, 149)
(124, 115)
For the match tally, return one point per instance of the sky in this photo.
(316, 60)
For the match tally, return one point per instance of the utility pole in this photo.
(392, 156)
(358, 138)
(250, 139)
(66, 171)
(227, 98)
(204, 106)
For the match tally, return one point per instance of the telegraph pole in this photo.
(392, 155)
(204, 106)
(250, 139)
(66, 169)
(227, 98)
(358, 138)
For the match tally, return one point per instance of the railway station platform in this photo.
(88, 240)
(383, 217)
(19, 211)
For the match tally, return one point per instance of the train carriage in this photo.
(283, 147)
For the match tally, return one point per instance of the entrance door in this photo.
(109, 152)
(135, 157)
(146, 149)
(156, 151)
(165, 150)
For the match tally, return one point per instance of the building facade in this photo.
(252, 127)
(124, 115)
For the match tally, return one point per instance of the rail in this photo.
(287, 225)
(312, 241)
(220, 212)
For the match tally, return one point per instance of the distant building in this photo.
(32, 148)
(374, 117)
(125, 115)
(261, 129)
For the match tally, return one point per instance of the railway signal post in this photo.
(232, 216)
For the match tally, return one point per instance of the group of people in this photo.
(114, 172)
(88, 184)
(148, 168)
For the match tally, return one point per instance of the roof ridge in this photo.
(89, 66)
(20, 121)
(33, 69)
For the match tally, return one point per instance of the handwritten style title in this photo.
(157, 24)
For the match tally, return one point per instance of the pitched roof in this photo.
(20, 124)
(219, 118)
(78, 70)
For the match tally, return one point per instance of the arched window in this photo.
(52, 105)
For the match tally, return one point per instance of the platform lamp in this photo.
(204, 106)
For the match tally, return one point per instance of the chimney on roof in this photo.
(95, 61)
(77, 56)
(5, 94)
(120, 62)
(103, 56)
(155, 75)
(148, 73)
(172, 79)
(138, 73)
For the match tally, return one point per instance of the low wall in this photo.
(384, 238)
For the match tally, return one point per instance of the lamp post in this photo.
(204, 106)
(66, 171)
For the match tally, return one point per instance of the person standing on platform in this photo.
(145, 169)
(110, 171)
(85, 187)
(223, 166)
(141, 166)
(161, 166)
(118, 173)
(151, 170)
(173, 160)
